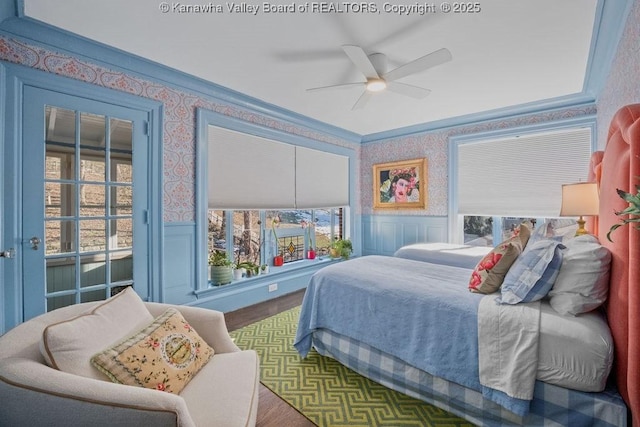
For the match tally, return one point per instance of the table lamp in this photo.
(580, 199)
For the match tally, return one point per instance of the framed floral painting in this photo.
(400, 185)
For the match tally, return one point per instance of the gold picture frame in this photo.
(400, 185)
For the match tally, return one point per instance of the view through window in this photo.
(258, 236)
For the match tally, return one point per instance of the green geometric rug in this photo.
(326, 392)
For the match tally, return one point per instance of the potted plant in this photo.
(238, 271)
(341, 248)
(250, 268)
(264, 269)
(220, 268)
(310, 227)
(632, 212)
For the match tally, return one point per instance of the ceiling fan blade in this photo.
(332, 87)
(361, 61)
(430, 60)
(362, 101)
(308, 56)
(408, 90)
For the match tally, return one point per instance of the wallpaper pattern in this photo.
(179, 121)
(434, 146)
(622, 87)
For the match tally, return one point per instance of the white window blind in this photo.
(521, 175)
(250, 172)
(322, 179)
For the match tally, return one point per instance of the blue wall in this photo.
(384, 234)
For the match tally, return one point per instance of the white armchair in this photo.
(223, 393)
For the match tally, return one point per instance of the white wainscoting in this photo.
(384, 234)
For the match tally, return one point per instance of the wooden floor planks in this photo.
(272, 410)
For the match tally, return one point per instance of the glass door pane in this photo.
(85, 198)
(89, 207)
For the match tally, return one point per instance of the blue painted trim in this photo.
(12, 186)
(156, 201)
(10, 9)
(201, 193)
(49, 37)
(16, 78)
(454, 141)
(239, 125)
(3, 202)
(609, 25)
(452, 196)
(276, 274)
(545, 106)
(232, 297)
(584, 121)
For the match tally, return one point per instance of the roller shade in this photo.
(521, 175)
(251, 172)
(322, 179)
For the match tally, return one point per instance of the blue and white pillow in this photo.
(533, 273)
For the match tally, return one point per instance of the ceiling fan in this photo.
(374, 68)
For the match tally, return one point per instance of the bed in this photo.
(465, 256)
(379, 316)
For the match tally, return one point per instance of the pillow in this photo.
(523, 232)
(163, 356)
(560, 229)
(488, 275)
(583, 281)
(68, 345)
(533, 273)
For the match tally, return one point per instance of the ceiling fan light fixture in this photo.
(376, 85)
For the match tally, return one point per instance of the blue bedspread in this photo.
(419, 312)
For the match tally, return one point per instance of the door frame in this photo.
(15, 79)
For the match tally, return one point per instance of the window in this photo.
(501, 178)
(258, 235)
(250, 174)
(484, 230)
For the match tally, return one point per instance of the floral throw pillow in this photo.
(489, 274)
(163, 356)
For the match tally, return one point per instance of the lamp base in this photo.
(581, 230)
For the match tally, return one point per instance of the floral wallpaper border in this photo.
(179, 121)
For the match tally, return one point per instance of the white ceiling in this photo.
(512, 52)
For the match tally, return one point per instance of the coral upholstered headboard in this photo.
(620, 168)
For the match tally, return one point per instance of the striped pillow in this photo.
(533, 273)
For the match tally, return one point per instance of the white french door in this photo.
(84, 184)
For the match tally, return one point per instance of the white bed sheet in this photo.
(574, 352)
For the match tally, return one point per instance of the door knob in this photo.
(35, 242)
(8, 254)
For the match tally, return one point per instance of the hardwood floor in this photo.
(272, 410)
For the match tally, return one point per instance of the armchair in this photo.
(223, 393)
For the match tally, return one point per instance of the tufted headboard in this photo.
(619, 167)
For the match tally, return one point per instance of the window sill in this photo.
(289, 269)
